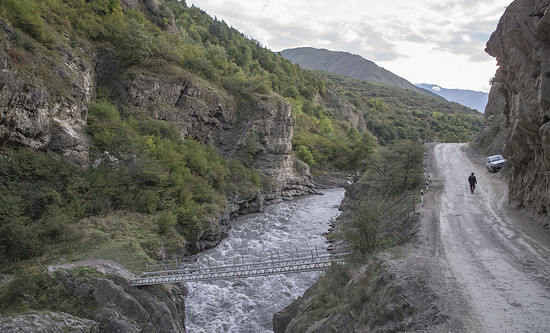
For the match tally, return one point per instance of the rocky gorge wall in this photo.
(44, 97)
(520, 96)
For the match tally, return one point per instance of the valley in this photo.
(142, 131)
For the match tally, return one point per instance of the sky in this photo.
(424, 41)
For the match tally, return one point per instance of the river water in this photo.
(248, 305)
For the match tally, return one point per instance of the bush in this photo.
(166, 222)
(147, 201)
(103, 110)
(361, 227)
(25, 14)
(305, 155)
(136, 44)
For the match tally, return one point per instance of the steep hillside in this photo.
(473, 99)
(348, 64)
(393, 113)
(130, 131)
(517, 116)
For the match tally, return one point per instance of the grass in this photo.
(131, 239)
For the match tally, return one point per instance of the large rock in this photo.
(121, 307)
(521, 92)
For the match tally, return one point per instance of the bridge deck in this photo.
(244, 266)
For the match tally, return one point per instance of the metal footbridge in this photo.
(243, 266)
(396, 218)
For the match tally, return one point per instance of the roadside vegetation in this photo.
(360, 295)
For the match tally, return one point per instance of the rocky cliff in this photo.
(520, 97)
(43, 107)
(44, 96)
(258, 130)
(45, 93)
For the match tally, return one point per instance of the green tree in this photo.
(305, 155)
(136, 44)
(396, 168)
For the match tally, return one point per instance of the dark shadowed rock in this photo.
(521, 94)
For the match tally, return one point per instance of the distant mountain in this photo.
(347, 64)
(470, 98)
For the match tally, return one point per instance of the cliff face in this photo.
(521, 94)
(48, 112)
(45, 92)
(258, 131)
(45, 112)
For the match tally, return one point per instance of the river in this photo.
(248, 305)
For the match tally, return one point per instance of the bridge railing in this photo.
(242, 266)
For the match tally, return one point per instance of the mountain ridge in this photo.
(348, 64)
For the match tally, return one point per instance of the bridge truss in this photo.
(240, 267)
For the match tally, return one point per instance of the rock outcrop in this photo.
(121, 307)
(257, 131)
(35, 321)
(45, 95)
(521, 93)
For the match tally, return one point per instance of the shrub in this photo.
(166, 221)
(136, 44)
(305, 155)
(147, 201)
(103, 110)
(361, 226)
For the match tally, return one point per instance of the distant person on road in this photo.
(473, 181)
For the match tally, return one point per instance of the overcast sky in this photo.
(425, 41)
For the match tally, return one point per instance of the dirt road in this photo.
(497, 257)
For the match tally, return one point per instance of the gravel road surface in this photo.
(475, 264)
(499, 257)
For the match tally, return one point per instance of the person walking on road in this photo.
(473, 181)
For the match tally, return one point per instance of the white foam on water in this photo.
(248, 305)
